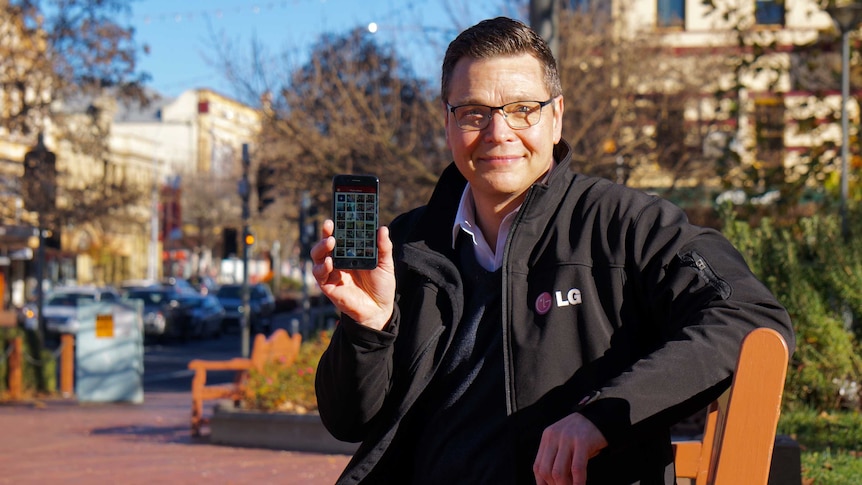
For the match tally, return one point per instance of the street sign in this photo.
(105, 326)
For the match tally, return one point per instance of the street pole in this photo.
(846, 14)
(543, 19)
(305, 244)
(275, 260)
(845, 143)
(244, 191)
(153, 249)
(40, 282)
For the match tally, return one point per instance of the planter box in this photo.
(278, 431)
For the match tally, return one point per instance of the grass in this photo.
(830, 444)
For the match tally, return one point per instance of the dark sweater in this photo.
(460, 423)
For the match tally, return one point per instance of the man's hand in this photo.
(565, 449)
(367, 296)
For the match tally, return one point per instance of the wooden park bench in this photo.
(278, 347)
(739, 433)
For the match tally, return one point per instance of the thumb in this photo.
(384, 249)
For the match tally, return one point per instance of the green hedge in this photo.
(30, 383)
(817, 276)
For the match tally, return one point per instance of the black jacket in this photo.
(615, 307)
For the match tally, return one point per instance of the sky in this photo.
(180, 36)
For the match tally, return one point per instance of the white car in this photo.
(61, 308)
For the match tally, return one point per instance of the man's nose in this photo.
(498, 124)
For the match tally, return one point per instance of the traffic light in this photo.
(265, 186)
(230, 242)
(40, 178)
(249, 239)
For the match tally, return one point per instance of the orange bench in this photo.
(739, 433)
(278, 347)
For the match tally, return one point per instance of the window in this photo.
(769, 126)
(663, 117)
(671, 13)
(769, 12)
(670, 131)
(587, 6)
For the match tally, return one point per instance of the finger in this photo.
(561, 470)
(322, 249)
(322, 270)
(384, 247)
(327, 228)
(544, 461)
(579, 468)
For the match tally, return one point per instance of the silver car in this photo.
(61, 307)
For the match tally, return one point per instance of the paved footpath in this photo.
(66, 442)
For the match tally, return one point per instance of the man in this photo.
(529, 324)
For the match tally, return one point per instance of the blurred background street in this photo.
(62, 441)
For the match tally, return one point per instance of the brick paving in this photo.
(66, 442)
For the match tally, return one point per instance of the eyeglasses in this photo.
(518, 115)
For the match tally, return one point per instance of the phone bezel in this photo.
(363, 183)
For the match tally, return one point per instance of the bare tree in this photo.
(207, 210)
(629, 102)
(58, 59)
(353, 107)
(356, 107)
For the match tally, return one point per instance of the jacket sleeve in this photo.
(355, 372)
(353, 377)
(701, 300)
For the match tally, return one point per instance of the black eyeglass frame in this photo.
(491, 110)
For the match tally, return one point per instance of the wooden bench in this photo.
(278, 347)
(739, 433)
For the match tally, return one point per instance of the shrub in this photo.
(816, 275)
(277, 387)
(31, 383)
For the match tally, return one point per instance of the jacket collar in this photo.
(434, 226)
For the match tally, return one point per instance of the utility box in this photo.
(109, 353)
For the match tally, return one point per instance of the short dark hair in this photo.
(500, 37)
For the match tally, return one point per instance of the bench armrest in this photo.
(233, 364)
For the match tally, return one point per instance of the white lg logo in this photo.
(573, 297)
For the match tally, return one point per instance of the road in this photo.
(166, 364)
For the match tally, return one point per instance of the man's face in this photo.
(499, 162)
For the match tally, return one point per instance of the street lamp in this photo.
(846, 14)
(244, 189)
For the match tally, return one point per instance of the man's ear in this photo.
(446, 124)
(558, 119)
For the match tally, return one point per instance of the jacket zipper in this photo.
(508, 376)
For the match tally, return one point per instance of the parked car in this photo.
(205, 285)
(200, 315)
(261, 305)
(130, 284)
(180, 285)
(161, 310)
(61, 308)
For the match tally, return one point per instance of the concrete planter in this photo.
(279, 431)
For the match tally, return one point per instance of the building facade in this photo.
(770, 98)
(187, 153)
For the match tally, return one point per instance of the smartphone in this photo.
(354, 212)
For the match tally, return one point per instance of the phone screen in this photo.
(355, 202)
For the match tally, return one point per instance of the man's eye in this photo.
(472, 111)
(520, 108)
